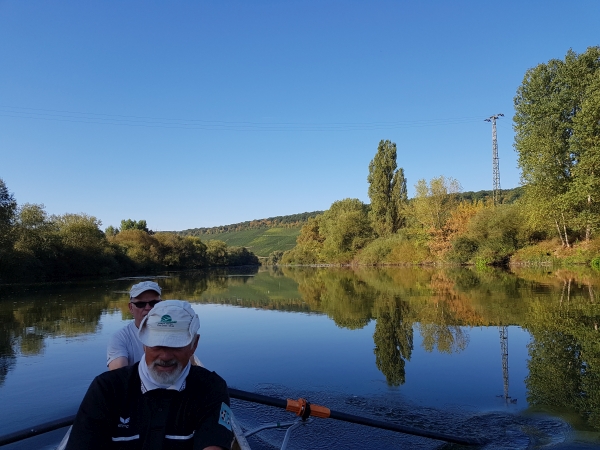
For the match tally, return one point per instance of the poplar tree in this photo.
(387, 190)
(400, 198)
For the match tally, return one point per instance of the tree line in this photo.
(35, 246)
(557, 125)
(289, 221)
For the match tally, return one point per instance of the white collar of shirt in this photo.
(149, 384)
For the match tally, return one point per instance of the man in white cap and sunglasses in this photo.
(162, 402)
(124, 347)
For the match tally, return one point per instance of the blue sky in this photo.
(190, 114)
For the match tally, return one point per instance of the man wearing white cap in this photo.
(124, 347)
(162, 402)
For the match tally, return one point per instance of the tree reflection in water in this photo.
(559, 308)
(393, 338)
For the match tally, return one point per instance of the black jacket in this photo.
(114, 413)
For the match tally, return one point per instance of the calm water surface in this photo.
(514, 357)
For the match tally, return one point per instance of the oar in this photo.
(301, 407)
(304, 409)
(34, 431)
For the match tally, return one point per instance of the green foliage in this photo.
(334, 237)
(111, 231)
(181, 252)
(434, 202)
(128, 224)
(162, 250)
(308, 244)
(345, 228)
(496, 232)
(241, 256)
(80, 231)
(552, 253)
(556, 124)
(216, 253)
(409, 252)
(274, 258)
(72, 245)
(377, 251)
(142, 249)
(399, 199)
(506, 195)
(8, 212)
(585, 144)
(595, 263)
(542, 253)
(463, 249)
(36, 233)
(387, 190)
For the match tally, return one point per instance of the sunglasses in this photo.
(141, 305)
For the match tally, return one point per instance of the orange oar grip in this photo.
(296, 406)
(299, 408)
(319, 411)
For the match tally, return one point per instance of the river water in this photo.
(513, 357)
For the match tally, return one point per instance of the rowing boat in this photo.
(304, 411)
(239, 440)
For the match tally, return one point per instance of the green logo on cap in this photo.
(166, 319)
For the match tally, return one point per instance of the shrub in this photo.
(462, 250)
(376, 252)
(409, 252)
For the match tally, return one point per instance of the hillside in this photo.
(264, 236)
(260, 241)
(506, 195)
(291, 221)
(260, 236)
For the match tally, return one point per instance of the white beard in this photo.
(161, 377)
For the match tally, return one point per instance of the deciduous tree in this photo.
(551, 152)
(346, 229)
(8, 211)
(585, 144)
(128, 224)
(434, 201)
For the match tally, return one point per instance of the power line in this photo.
(193, 124)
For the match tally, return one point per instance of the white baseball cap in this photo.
(144, 286)
(171, 323)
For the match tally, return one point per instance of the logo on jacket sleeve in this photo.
(225, 416)
(124, 422)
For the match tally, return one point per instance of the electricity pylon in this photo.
(496, 198)
(495, 161)
(504, 353)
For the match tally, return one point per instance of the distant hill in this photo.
(261, 236)
(264, 236)
(506, 195)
